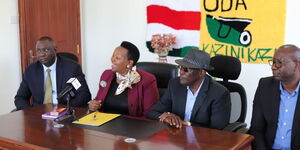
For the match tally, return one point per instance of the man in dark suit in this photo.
(275, 120)
(45, 79)
(193, 97)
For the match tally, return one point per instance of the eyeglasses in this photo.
(186, 69)
(277, 63)
(47, 49)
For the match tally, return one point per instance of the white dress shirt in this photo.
(190, 101)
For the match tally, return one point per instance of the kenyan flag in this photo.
(179, 17)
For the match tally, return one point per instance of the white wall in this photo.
(10, 55)
(104, 25)
(112, 21)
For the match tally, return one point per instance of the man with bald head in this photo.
(45, 79)
(276, 107)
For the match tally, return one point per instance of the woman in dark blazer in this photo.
(125, 90)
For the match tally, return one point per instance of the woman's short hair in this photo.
(133, 52)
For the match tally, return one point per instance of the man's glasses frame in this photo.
(277, 63)
(186, 69)
(45, 50)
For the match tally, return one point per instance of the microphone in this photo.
(72, 83)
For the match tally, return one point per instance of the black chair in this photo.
(229, 68)
(162, 71)
(68, 55)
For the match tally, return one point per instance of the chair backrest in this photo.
(229, 68)
(162, 71)
(68, 55)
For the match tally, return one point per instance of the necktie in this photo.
(48, 88)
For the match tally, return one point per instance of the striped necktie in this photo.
(48, 88)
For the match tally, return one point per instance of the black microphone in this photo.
(72, 83)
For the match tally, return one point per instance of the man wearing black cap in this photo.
(193, 98)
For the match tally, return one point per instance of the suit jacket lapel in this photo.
(274, 101)
(59, 75)
(40, 81)
(182, 100)
(200, 97)
(104, 90)
(272, 106)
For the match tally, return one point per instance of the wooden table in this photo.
(26, 130)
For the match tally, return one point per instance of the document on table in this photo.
(96, 118)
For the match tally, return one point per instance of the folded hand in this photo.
(95, 105)
(172, 120)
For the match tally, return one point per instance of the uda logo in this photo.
(229, 30)
(246, 29)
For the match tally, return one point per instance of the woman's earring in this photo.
(127, 66)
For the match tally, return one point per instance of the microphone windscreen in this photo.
(76, 84)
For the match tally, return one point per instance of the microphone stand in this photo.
(70, 111)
